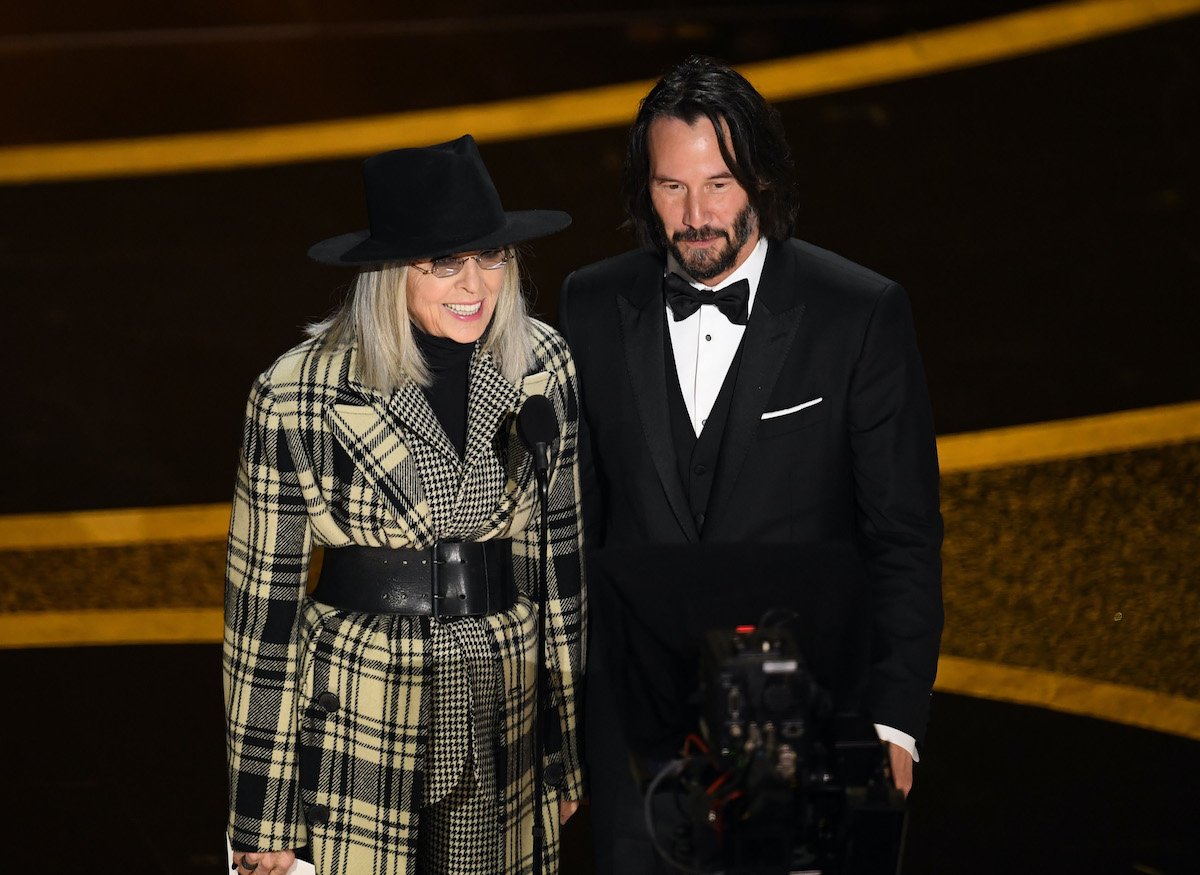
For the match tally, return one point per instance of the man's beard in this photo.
(703, 265)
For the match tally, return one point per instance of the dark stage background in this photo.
(1043, 212)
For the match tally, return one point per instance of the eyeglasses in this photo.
(449, 265)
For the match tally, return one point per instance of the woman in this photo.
(386, 721)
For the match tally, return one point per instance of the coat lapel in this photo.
(491, 399)
(765, 345)
(641, 317)
(400, 446)
(412, 410)
(497, 466)
(366, 430)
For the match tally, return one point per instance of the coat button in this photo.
(329, 701)
(553, 774)
(317, 814)
(700, 469)
(700, 520)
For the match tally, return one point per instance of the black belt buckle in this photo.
(452, 575)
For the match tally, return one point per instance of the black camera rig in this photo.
(776, 783)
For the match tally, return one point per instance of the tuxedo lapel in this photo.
(765, 345)
(641, 316)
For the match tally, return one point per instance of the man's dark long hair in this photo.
(761, 162)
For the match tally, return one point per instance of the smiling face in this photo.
(459, 307)
(705, 213)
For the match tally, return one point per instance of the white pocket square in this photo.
(774, 413)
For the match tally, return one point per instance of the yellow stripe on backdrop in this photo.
(111, 628)
(1071, 695)
(1069, 438)
(937, 51)
(114, 528)
(972, 451)
(1087, 436)
(968, 677)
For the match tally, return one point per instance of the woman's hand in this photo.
(566, 808)
(272, 863)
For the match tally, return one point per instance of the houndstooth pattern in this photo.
(334, 737)
(460, 823)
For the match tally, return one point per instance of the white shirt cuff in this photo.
(895, 736)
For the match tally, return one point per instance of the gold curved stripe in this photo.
(994, 448)
(1069, 694)
(968, 677)
(111, 628)
(1069, 438)
(937, 51)
(114, 528)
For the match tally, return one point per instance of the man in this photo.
(731, 429)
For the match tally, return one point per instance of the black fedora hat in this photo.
(436, 200)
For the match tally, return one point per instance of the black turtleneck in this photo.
(449, 362)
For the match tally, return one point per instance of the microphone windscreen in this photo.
(536, 422)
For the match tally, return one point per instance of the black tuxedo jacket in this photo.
(829, 440)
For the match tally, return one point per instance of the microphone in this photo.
(538, 427)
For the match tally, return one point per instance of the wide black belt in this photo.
(450, 579)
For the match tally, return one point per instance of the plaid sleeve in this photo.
(266, 568)
(566, 620)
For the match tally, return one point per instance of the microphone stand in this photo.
(538, 428)
(542, 466)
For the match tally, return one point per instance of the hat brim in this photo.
(359, 248)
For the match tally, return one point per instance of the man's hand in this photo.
(273, 863)
(567, 807)
(902, 767)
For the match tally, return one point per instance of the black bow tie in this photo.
(733, 300)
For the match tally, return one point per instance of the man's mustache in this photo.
(693, 235)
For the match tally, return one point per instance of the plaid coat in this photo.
(342, 725)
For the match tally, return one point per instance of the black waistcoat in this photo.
(697, 457)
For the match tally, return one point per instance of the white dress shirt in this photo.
(704, 345)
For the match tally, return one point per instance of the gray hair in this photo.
(375, 318)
